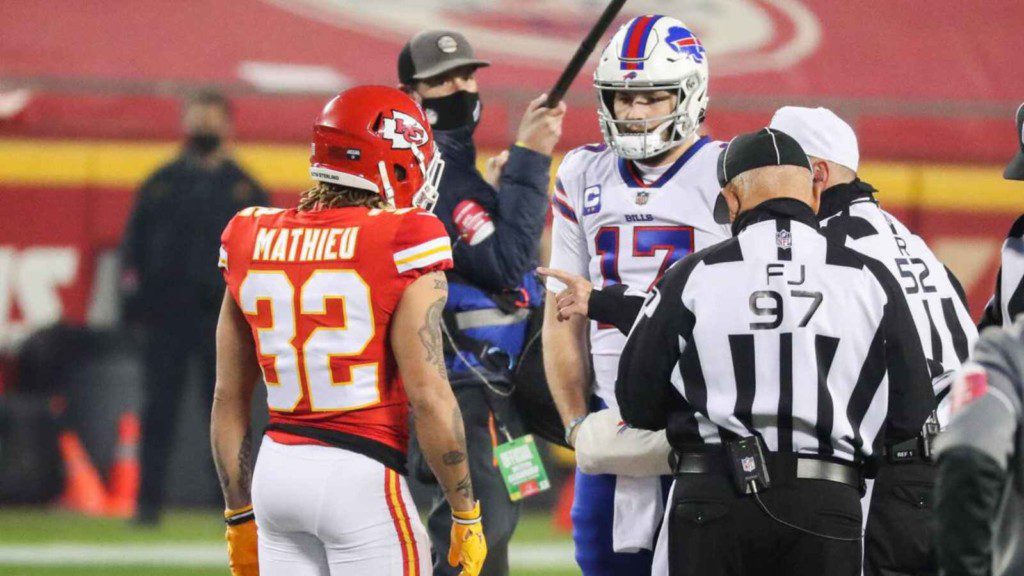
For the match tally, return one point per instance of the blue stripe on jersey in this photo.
(634, 181)
(564, 209)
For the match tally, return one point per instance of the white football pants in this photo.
(325, 511)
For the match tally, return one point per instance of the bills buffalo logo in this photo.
(631, 75)
(684, 42)
(403, 131)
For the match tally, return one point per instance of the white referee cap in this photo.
(820, 133)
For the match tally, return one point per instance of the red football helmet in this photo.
(377, 138)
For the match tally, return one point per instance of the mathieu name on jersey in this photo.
(318, 290)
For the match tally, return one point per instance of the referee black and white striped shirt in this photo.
(1008, 300)
(850, 216)
(781, 334)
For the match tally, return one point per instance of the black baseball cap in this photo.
(766, 147)
(434, 52)
(1015, 169)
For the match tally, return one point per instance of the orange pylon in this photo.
(83, 488)
(124, 473)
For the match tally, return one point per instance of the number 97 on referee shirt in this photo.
(769, 303)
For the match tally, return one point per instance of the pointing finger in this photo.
(565, 277)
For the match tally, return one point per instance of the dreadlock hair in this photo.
(327, 195)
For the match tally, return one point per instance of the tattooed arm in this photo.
(237, 373)
(416, 341)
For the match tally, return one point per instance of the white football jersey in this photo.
(612, 227)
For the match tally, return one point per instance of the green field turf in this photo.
(37, 527)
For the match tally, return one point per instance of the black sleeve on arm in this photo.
(643, 388)
(612, 305)
(501, 260)
(967, 491)
(911, 397)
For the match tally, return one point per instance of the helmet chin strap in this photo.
(389, 192)
(419, 158)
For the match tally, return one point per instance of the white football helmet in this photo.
(652, 53)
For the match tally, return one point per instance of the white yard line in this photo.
(523, 556)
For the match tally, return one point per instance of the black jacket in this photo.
(171, 242)
(518, 209)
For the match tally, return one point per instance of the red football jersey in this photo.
(318, 289)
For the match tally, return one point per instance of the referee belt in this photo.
(780, 465)
(917, 449)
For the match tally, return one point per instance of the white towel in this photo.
(638, 513)
(604, 445)
(660, 564)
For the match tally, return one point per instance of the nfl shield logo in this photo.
(642, 197)
(748, 464)
(783, 239)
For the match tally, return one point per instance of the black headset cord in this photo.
(753, 488)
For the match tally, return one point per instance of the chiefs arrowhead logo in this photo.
(403, 131)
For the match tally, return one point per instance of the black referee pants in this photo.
(714, 531)
(900, 535)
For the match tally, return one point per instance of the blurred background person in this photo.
(1008, 299)
(170, 285)
(979, 496)
(495, 221)
(979, 492)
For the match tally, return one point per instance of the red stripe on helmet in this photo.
(636, 35)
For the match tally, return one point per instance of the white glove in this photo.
(604, 445)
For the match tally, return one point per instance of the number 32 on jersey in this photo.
(276, 340)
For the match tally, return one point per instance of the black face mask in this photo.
(454, 110)
(203, 143)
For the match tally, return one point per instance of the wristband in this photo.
(572, 426)
(467, 517)
(238, 516)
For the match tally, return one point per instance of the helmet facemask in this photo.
(669, 131)
(427, 195)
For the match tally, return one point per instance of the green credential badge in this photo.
(522, 468)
